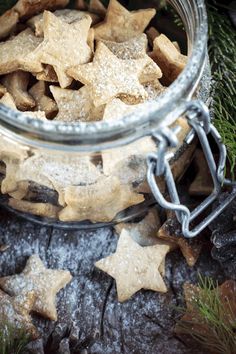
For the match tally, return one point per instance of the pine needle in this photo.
(218, 335)
(12, 340)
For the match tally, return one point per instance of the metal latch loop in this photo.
(199, 119)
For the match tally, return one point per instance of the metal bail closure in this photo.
(198, 118)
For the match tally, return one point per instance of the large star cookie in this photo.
(44, 283)
(67, 15)
(98, 202)
(109, 77)
(121, 25)
(15, 311)
(134, 267)
(60, 49)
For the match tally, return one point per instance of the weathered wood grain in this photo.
(90, 318)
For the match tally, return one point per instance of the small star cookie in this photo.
(43, 102)
(171, 233)
(108, 77)
(60, 49)
(15, 54)
(134, 267)
(121, 25)
(170, 60)
(16, 84)
(44, 283)
(8, 22)
(15, 311)
(76, 106)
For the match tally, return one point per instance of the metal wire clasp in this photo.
(158, 165)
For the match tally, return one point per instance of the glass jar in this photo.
(94, 174)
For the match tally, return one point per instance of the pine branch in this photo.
(12, 340)
(222, 52)
(207, 325)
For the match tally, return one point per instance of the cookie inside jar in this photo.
(91, 62)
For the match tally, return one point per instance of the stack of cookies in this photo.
(80, 65)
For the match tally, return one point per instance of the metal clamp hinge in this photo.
(198, 117)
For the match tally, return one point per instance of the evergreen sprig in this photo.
(222, 52)
(208, 326)
(12, 340)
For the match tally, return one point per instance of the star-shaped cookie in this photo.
(67, 15)
(15, 311)
(43, 101)
(89, 202)
(144, 233)
(76, 105)
(15, 54)
(44, 283)
(134, 267)
(60, 49)
(136, 48)
(168, 57)
(121, 25)
(171, 232)
(17, 85)
(109, 77)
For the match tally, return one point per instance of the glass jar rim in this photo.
(152, 115)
